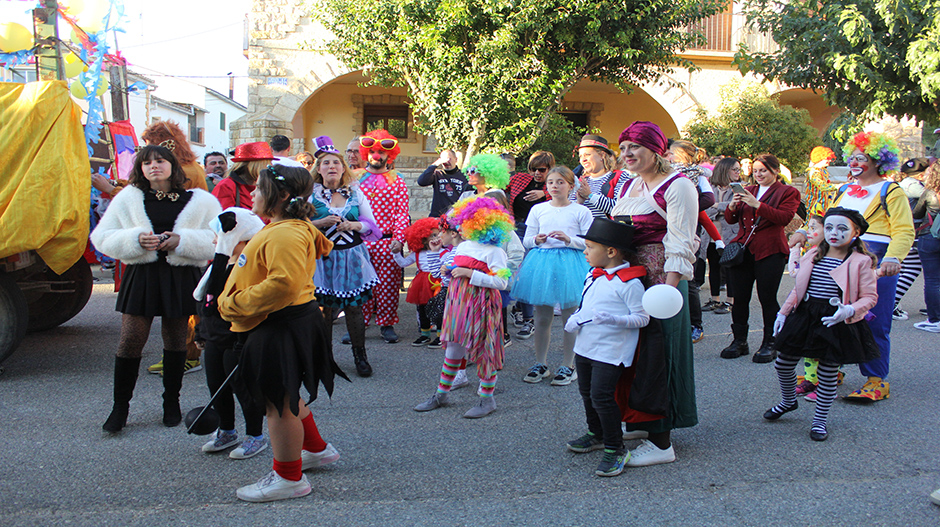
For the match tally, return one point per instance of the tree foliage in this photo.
(488, 74)
(750, 122)
(871, 57)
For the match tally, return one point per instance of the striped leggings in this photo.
(827, 372)
(910, 270)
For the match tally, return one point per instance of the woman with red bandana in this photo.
(872, 157)
(388, 195)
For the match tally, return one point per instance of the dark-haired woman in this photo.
(762, 211)
(161, 231)
(269, 299)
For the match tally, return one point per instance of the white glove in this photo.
(573, 324)
(719, 244)
(842, 313)
(233, 226)
(603, 317)
(778, 323)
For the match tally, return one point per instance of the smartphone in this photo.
(737, 188)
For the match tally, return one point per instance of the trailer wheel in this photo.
(13, 316)
(70, 293)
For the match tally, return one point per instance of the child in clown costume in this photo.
(424, 242)
(388, 195)
(472, 325)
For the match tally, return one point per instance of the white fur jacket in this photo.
(117, 233)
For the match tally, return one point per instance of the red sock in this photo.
(289, 470)
(463, 364)
(312, 440)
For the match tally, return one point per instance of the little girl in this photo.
(424, 241)
(837, 280)
(473, 327)
(553, 271)
(269, 299)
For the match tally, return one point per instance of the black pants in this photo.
(220, 360)
(423, 319)
(715, 271)
(695, 300)
(596, 383)
(767, 272)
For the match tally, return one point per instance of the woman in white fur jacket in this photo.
(161, 232)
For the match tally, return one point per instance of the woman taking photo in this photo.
(344, 280)
(161, 231)
(663, 207)
(761, 211)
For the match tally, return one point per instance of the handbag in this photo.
(734, 251)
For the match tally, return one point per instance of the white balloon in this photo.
(662, 301)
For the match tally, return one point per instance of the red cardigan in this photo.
(777, 207)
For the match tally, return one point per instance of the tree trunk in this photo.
(476, 137)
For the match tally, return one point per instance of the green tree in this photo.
(871, 57)
(489, 74)
(750, 122)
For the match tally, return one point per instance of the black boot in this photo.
(174, 363)
(738, 346)
(363, 369)
(766, 353)
(125, 378)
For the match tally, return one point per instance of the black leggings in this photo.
(220, 360)
(355, 325)
(767, 272)
(423, 319)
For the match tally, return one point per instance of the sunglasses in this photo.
(473, 171)
(384, 144)
(540, 169)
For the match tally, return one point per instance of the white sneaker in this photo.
(460, 380)
(933, 327)
(649, 454)
(564, 376)
(272, 488)
(220, 441)
(249, 448)
(319, 459)
(635, 434)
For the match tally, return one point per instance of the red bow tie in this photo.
(624, 274)
(857, 191)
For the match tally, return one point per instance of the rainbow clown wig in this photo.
(481, 219)
(493, 169)
(417, 234)
(883, 149)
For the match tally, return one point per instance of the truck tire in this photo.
(54, 308)
(13, 316)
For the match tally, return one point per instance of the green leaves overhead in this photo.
(872, 57)
(487, 74)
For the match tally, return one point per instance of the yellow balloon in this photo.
(103, 86)
(74, 7)
(73, 65)
(78, 91)
(14, 37)
(92, 18)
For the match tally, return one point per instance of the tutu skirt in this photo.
(422, 288)
(551, 276)
(472, 318)
(805, 335)
(158, 289)
(345, 277)
(288, 349)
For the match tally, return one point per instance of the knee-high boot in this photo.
(363, 368)
(174, 363)
(125, 378)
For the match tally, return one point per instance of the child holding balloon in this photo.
(607, 325)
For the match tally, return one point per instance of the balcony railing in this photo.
(725, 32)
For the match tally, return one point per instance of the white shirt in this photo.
(572, 219)
(607, 343)
(862, 204)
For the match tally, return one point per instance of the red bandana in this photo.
(625, 274)
(856, 191)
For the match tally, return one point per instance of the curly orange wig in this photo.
(378, 135)
(161, 131)
(417, 234)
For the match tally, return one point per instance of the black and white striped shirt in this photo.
(821, 283)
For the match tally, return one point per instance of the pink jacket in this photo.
(854, 276)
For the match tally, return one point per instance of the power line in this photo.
(184, 36)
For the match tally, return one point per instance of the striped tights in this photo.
(827, 372)
(910, 270)
(453, 356)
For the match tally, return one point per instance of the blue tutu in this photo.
(345, 275)
(551, 276)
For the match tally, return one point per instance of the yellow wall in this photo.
(621, 109)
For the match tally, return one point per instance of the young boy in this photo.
(608, 326)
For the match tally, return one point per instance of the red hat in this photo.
(646, 134)
(253, 152)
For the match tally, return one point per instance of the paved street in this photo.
(399, 467)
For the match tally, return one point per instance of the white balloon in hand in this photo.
(662, 301)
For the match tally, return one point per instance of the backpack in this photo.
(885, 190)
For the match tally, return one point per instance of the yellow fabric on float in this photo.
(45, 174)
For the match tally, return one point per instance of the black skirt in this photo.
(158, 289)
(805, 335)
(288, 349)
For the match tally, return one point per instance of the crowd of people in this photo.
(330, 232)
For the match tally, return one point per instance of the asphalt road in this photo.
(399, 467)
